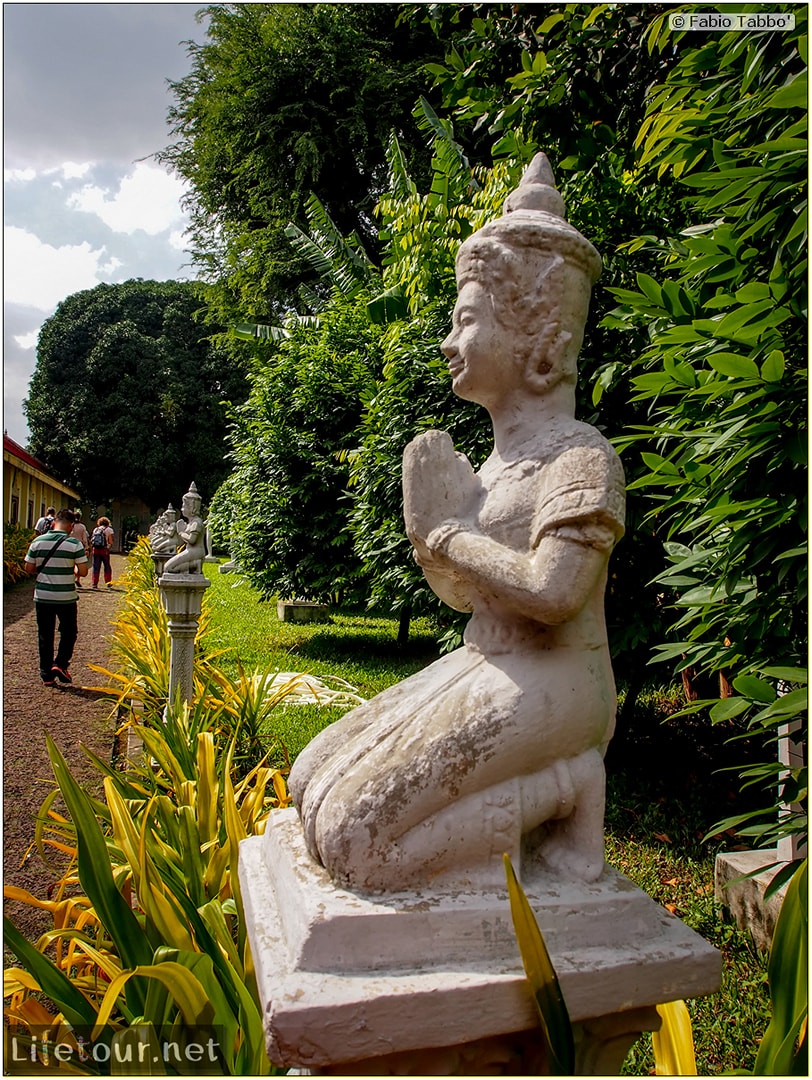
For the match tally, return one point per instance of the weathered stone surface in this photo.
(498, 746)
(347, 977)
(301, 611)
(744, 899)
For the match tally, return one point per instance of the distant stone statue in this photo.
(192, 533)
(163, 534)
(497, 747)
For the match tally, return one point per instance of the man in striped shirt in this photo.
(58, 560)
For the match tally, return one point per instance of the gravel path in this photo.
(71, 715)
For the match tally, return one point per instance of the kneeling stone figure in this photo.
(497, 747)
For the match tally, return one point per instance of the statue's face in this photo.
(480, 358)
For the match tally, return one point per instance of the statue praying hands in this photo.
(498, 746)
(192, 533)
(163, 534)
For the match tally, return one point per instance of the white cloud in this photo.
(27, 341)
(178, 239)
(23, 175)
(71, 171)
(40, 275)
(148, 198)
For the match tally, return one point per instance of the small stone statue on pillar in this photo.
(182, 585)
(163, 535)
(192, 533)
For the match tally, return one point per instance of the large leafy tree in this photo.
(285, 100)
(127, 397)
(283, 511)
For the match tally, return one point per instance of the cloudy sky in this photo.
(86, 97)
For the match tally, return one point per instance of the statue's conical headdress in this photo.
(193, 493)
(534, 217)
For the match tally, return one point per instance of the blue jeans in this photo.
(48, 613)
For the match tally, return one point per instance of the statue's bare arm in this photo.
(549, 585)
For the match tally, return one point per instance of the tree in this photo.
(127, 397)
(284, 509)
(285, 100)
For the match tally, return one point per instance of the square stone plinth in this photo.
(302, 611)
(345, 977)
(741, 890)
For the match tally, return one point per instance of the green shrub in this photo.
(16, 541)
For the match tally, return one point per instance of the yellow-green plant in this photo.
(673, 1044)
(157, 939)
(556, 1027)
(15, 544)
(784, 1048)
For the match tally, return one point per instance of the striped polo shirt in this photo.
(56, 582)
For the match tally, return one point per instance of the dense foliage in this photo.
(283, 100)
(724, 374)
(128, 393)
(284, 506)
(725, 363)
(16, 540)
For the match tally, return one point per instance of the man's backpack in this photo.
(44, 525)
(99, 538)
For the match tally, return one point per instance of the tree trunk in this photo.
(403, 626)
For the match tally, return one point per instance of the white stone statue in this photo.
(192, 533)
(163, 534)
(497, 747)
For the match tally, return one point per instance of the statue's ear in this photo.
(547, 371)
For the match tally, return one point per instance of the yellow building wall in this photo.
(27, 491)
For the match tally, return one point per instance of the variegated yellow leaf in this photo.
(674, 1042)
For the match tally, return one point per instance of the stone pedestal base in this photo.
(744, 900)
(395, 983)
(301, 611)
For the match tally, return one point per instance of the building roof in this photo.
(13, 452)
(20, 452)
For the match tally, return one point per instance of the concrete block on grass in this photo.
(744, 899)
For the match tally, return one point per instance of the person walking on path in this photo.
(57, 559)
(80, 532)
(28, 714)
(101, 541)
(46, 522)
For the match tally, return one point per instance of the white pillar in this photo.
(182, 597)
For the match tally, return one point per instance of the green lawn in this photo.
(663, 792)
(354, 646)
